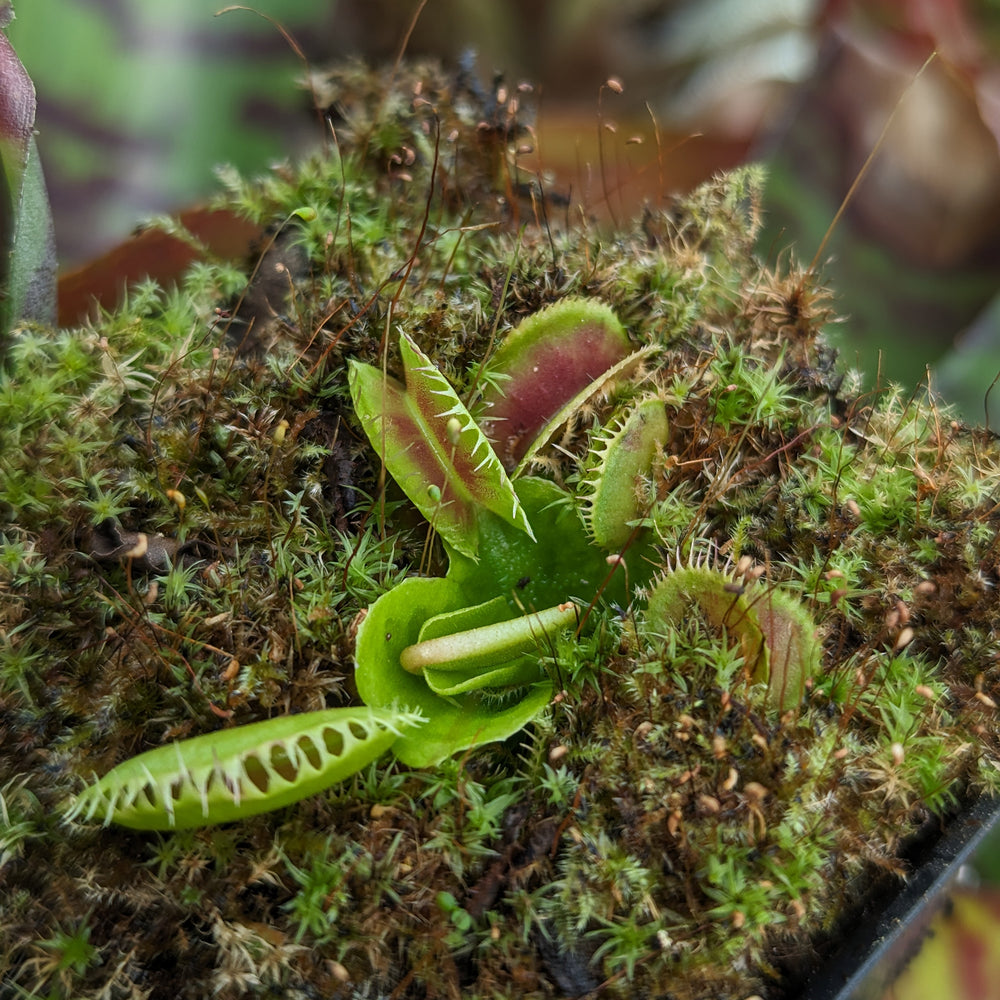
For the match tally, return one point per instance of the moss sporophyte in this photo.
(505, 608)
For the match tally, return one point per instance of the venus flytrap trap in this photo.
(775, 634)
(549, 366)
(621, 471)
(720, 601)
(220, 777)
(433, 448)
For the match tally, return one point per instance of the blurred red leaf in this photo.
(151, 253)
(961, 956)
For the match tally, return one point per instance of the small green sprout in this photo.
(69, 954)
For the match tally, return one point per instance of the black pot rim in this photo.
(867, 961)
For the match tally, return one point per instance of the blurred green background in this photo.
(137, 101)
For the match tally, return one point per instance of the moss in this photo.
(193, 523)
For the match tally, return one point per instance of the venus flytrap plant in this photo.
(447, 648)
(422, 644)
(463, 652)
(441, 644)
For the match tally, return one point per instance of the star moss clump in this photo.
(194, 521)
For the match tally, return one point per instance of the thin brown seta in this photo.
(865, 166)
